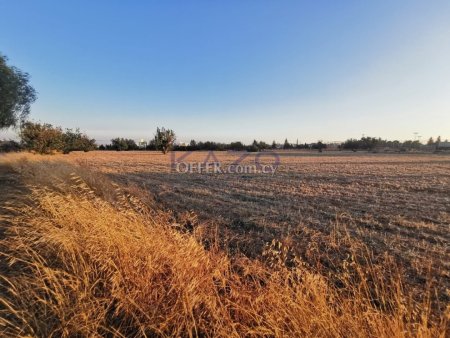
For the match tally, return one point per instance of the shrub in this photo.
(75, 140)
(120, 144)
(9, 146)
(41, 138)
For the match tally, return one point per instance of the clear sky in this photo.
(235, 70)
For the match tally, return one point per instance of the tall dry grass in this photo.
(86, 258)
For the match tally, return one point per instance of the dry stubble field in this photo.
(351, 245)
(396, 204)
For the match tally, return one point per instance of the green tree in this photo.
(430, 141)
(263, 145)
(41, 138)
(193, 145)
(16, 95)
(164, 139)
(274, 145)
(253, 147)
(77, 141)
(237, 146)
(119, 144)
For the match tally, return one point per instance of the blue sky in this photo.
(235, 70)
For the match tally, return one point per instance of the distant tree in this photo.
(164, 139)
(131, 144)
(101, 147)
(236, 146)
(253, 147)
(263, 145)
(151, 145)
(119, 144)
(320, 145)
(274, 145)
(16, 95)
(351, 144)
(365, 143)
(74, 140)
(41, 138)
(287, 145)
(192, 145)
(410, 144)
(430, 141)
(438, 140)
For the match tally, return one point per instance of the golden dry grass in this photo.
(395, 204)
(85, 257)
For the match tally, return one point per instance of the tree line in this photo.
(372, 143)
(124, 144)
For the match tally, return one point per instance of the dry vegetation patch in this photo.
(89, 257)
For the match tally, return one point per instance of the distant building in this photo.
(142, 144)
(443, 146)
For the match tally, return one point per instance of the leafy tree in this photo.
(131, 144)
(365, 143)
(120, 144)
(192, 145)
(438, 140)
(263, 145)
(164, 139)
(430, 141)
(351, 144)
(41, 138)
(151, 145)
(274, 145)
(76, 141)
(237, 146)
(254, 147)
(16, 95)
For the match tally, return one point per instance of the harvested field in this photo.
(370, 229)
(394, 203)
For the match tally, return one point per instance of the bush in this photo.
(41, 138)
(120, 143)
(9, 146)
(75, 140)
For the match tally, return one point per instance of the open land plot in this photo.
(347, 244)
(395, 204)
